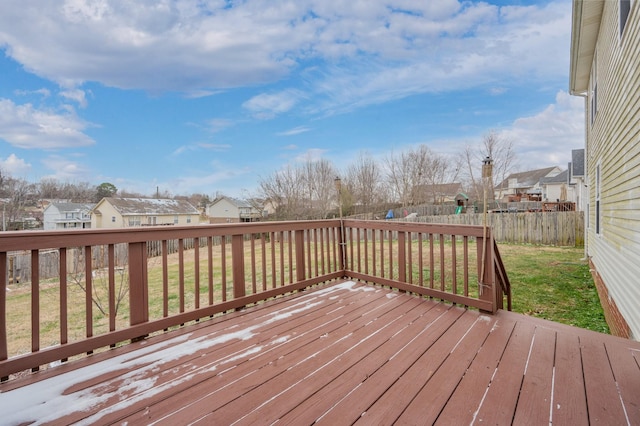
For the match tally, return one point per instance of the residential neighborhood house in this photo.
(524, 186)
(605, 71)
(438, 193)
(113, 212)
(67, 216)
(227, 209)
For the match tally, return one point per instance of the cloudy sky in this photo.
(213, 95)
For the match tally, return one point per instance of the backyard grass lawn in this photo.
(553, 283)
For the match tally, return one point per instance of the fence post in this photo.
(138, 288)
(237, 261)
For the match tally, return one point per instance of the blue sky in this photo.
(211, 96)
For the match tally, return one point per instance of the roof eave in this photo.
(585, 26)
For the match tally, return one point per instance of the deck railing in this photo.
(117, 285)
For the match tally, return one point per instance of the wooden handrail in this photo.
(224, 267)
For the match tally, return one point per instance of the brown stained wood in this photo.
(569, 405)
(626, 371)
(534, 403)
(363, 394)
(35, 301)
(499, 404)
(64, 327)
(603, 401)
(88, 291)
(165, 280)
(235, 383)
(379, 366)
(431, 399)
(215, 374)
(477, 378)
(196, 272)
(339, 354)
(315, 359)
(181, 279)
(4, 350)
(112, 286)
(412, 377)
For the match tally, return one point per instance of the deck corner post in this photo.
(486, 272)
(237, 260)
(138, 286)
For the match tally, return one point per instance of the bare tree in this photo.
(99, 280)
(398, 176)
(284, 190)
(364, 182)
(500, 150)
(18, 194)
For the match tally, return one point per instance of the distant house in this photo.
(525, 185)
(605, 71)
(577, 179)
(113, 212)
(67, 216)
(556, 188)
(227, 209)
(438, 193)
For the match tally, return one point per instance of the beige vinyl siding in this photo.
(614, 144)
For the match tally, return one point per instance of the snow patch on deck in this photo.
(48, 400)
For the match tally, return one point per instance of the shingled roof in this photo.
(526, 179)
(150, 206)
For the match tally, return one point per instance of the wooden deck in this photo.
(342, 354)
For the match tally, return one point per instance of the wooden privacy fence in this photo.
(220, 268)
(544, 228)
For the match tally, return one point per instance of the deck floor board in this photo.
(345, 353)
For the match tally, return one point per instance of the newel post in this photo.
(237, 260)
(486, 272)
(138, 283)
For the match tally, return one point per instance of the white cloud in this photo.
(202, 146)
(25, 126)
(363, 52)
(14, 166)
(45, 93)
(64, 169)
(295, 131)
(265, 106)
(547, 138)
(217, 124)
(312, 154)
(76, 95)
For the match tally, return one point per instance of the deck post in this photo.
(237, 261)
(402, 257)
(4, 283)
(139, 290)
(300, 265)
(486, 273)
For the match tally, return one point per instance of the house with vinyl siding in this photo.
(67, 215)
(228, 209)
(112, 212)
(605, 71)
